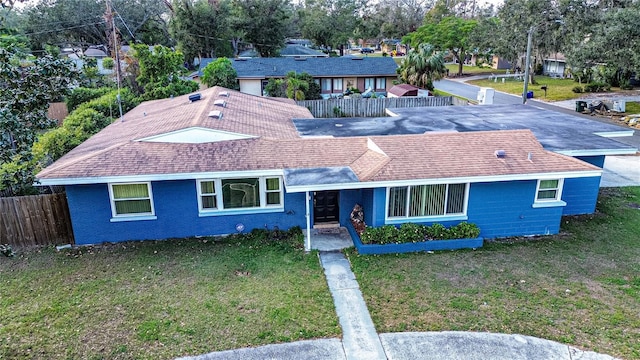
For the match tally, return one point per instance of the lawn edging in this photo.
(375, 249)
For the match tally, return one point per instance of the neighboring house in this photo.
(499, 63)
(95, 52)
(555, 65)
(389, 45)
(232, 162)
(334, 75)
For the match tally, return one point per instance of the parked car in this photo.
(366, 51)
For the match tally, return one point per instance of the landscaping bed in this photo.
(411, 237)
(162, 299)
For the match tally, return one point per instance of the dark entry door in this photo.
(325, 206)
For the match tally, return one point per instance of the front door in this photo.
(325, 206)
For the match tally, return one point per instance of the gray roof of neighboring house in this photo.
(262, 68)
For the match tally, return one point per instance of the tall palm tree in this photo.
(422, 66)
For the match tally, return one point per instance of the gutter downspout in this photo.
(307, 244)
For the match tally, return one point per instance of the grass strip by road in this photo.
(581, 287)
(557, 89)
(162, 299)
(473, 70)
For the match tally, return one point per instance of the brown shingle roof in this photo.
(117, 151)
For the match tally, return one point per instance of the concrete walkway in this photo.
(359, 337)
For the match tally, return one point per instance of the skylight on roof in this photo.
(196, 135)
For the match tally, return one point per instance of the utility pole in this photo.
(528, 64)
(111, 33)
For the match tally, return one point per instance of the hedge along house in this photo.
(232, 162)
(334, 75)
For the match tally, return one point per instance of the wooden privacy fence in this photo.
(35, 220)
(363, 107)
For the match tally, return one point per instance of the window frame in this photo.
(556, 201)
(444, 216)
(381, 80)
(219, 196)
(115, 217)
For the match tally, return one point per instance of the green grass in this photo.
(557, 89)
(581, 287)
(159, 300)
(632, 107)
(473, 70)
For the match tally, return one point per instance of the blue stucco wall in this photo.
(581, 195)
(505, 209)
(176, 208)
(348, 199)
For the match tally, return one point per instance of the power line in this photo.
(69, 28)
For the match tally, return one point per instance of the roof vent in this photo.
(195, 97)
(500, 154)
(216, 114)
(240, 59)
(224, 93)
(357, 58)
(297, 58)
(220, 103)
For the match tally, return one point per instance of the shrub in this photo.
(597, 87)
(411, 233)
(6, 250)
(82, 95)
(107, 104)
(108, 63)
(577, 89)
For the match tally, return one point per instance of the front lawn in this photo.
(581, 287)
(557, 89)
(162, 299)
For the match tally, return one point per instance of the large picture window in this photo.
(132, 199)
(427, 200)
(240, 193)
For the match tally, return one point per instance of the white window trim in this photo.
(543, 203)
(446, 217)
(131, 217)
(220, 210)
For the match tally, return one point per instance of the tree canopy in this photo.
(422, 66)
(264, 23)
(220, 72)
(450, 33)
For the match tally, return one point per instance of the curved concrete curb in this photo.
(473, 345)
(329, 349)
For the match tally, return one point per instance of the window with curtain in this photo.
(326, 85)
(131, 199)
(337, 85)
(369, 83)
(381, 83)
(427, 200)
(208, 195)
(240, 193)
(548, 190)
